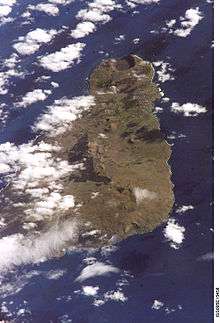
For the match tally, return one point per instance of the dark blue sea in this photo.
(151, 279)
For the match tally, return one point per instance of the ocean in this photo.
(162, 276)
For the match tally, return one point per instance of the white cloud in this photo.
(16, 283)
(4, 168)
(164, 71)
(90, 290)
(34, 171)
(188, 22)
(93, 15)
(10, 66)
(188, 109)
(62, 59)
(111, 295)
(36, 163)
(209, 256)
(133, 3)
(17, 249)
(4, 79)
(171, 23)
(3, 116)
(33, 97)
(2, 223)
(30, 43)
(174, 233)
(51, 8)
(184, 208)
(60, 115)
(97, 11)
(83, 29)
(117, 296)
(120, 38)
(96, 269)
(54, 84)
(5, 20)
(55, 274)
(142, 194)
(136, 40)
(45, 206)
(61, 2)
(89, 260)
(48, 8)
(157, 305)
(98, 302)
(169, 310)
(5, 8)
(174, 135)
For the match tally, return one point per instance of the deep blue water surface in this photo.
(156, 271)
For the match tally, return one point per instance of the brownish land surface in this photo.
(124, 187)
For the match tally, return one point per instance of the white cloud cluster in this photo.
(34, 171)
(134, 3)
(60, 115)
(96, 12)
(45, 206)
(157, 305)
(188, 109)
(164, 71)
(111, 295)
(169, 310)
(3, 114)
(4, 10)
(16, 283)
(187, 23)
(10, 66)
(119, 38)
(174, 233)
(33, 97)
(117, 296)
(62, 59)
(96, 269)
(6, 7)
(55, 274)
(184, 208)
(100, 299)
(30, 43)
(61, 2)
(18, 249)
(83, 29)
(50, 9)
(90, 290)
(174, 135)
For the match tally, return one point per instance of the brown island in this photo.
(125, 185)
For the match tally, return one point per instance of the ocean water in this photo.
(162, 276)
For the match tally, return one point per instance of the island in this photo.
(124, 186)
